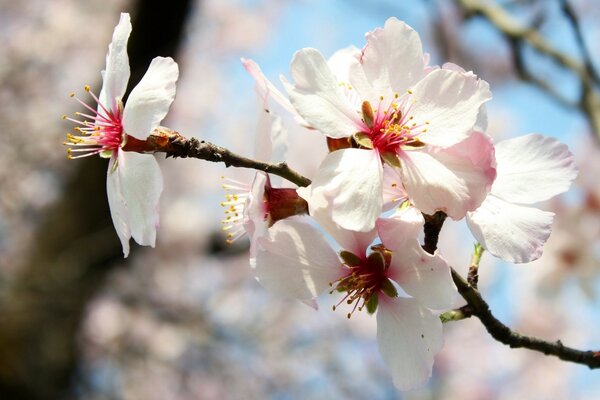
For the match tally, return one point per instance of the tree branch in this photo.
(165, 140)
(477, 306)
(516, 34)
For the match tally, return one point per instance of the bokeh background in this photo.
(187, 320)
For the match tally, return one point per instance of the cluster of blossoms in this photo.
(405, 140)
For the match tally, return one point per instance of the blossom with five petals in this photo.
(396, 111)
(296, 261)
(134, 181)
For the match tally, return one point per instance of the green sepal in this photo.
(391, 159)
(372, 304)
(106, 153)
(350, 259)
(363, 140)
(388, 288)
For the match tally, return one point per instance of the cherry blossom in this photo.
(295, 261)
(134, 181)
(531, 169)
(393, 110)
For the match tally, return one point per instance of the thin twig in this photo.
(165, 140)
(479, 308)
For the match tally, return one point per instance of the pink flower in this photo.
(296, 261)
(531, 168)
(134, 182)
(395, 111)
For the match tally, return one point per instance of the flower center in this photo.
(100, 132)
(365, 280)
(390, 128)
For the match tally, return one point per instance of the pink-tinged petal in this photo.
(296, 261)
(265, 88)
(353, 241)
(424, 276)
(455, 180)
(255, 221)
(409, 336)
(348, 186)
(117, 205)
(141, 185)
(447, 104)
(150, 100)
(270, 142)
(511, 232)
(392, 61)
(533, 168)
(393, 190)
(402, 227)
(116, 74)
(318, 97)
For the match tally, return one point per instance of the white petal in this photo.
(141, 185)
(150, 100)
(116, 75)
(447, 104)
(392, 61)
(318, 97)
(424, 276)
(265, 88)
(454, 180)
(403, 226)
(511, 232)
(118, 207)
(339, 63)
(409, 336)
(393, 190)
(296, 262)
(348, 186)
(533, 168)
(255, 223)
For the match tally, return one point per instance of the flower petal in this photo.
(116, 74)
(511, 232)
(141, 185)
(117, 205)
(348, 186)
(318, 97)
(393, 190)
(533, 168)
(392, 61)
(448, 104)
(409, 335)
(255, 223)
(265, 88)
(404, 225)
(150, 100)
(296, 261)
(455, 180)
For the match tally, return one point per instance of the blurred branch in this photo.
(478, 307)
(73, 250)
(518, 35)
(165, 140)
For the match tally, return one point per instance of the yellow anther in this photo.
(87, 88)
(64, 116)
(71, 94)
(409, 91)
(396, 95)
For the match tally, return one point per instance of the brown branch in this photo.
(477, 306)
(165, 140)
(505, 335)
(589, 102)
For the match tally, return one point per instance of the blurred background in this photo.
(187, 320)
